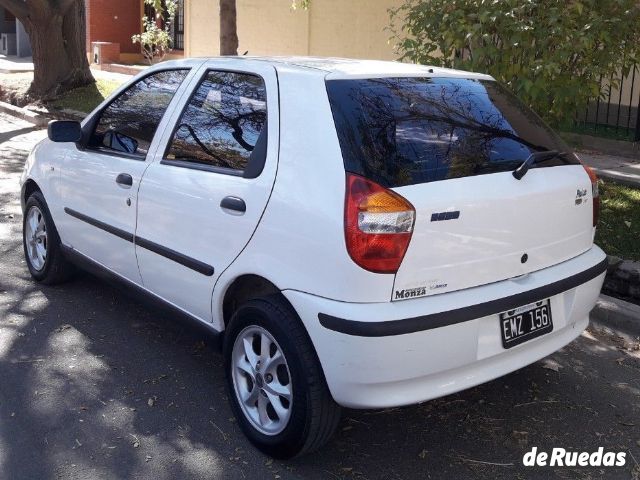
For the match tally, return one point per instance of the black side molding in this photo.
(177, 257)
(101, 225)
(459, 315)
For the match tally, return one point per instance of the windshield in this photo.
(403, 131)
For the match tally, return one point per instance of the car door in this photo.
(99, 181)
(202, 198)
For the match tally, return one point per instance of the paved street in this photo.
(95, 385)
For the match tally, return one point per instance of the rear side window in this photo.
(404, 131)
(221, 124)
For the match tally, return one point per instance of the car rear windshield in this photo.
(409, 130)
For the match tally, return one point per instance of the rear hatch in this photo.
(450, 146)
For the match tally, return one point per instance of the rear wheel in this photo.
(275, 382)
(42, 249)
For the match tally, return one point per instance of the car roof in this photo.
(335, 67)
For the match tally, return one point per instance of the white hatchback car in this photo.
(364, 234)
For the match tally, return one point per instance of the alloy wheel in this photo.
(261, 380)
(35, 237)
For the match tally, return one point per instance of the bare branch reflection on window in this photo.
(137, 112)
(402, 131)
(222, 122)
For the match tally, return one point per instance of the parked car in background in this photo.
(361, 234)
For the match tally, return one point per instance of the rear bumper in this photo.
(397, 353)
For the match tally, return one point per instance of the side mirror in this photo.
(64, 131)
(119, 142)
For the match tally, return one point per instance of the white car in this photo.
(359, 233)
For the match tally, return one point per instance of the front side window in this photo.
(222, 122)
(129, 123)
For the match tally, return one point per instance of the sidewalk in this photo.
(11, 64)
(619, 169)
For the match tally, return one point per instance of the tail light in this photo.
(378, 225)
(595, 194)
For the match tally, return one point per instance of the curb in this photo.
(608, 146)
(38, 119)
(67, 113)
(618, 177)
(28, 115)
(617, 313)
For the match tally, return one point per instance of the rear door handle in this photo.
(124, 180)
(233, 205)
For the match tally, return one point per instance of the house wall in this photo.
(7, 22)
(623, 92)
(353, 28)
(23, 45)
(114, 21)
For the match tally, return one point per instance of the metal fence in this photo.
(617, 115)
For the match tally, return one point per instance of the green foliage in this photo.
(156, 40)
(551, 53)
(619, 227)
(304, 4)
(85, 99)
(163, 6)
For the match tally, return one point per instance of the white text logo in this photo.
(560, 457)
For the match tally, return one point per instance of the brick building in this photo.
(113, 22)
(351, 28)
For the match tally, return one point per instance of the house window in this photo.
(10, 17)
(177, 28)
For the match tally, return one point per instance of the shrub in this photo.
(155, 39)
(551, 53)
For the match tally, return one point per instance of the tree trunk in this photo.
(228, 28)
(56, 31)
(74, 30)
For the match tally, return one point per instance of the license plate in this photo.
(524, 323)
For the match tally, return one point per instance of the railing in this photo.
(617, 114)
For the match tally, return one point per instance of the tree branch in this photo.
(17, 7)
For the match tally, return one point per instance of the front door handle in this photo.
(124, 180)
(233, 205)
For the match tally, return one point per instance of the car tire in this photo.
(312, 415)
(39, 235)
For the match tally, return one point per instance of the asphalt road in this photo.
(95, 385)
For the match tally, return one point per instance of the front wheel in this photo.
(275, 382)
(42, 247)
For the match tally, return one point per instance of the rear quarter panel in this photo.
(299, 243)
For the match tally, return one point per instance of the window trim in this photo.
(89, 128)
(254, 166)
(202, 167)
(115, 153)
